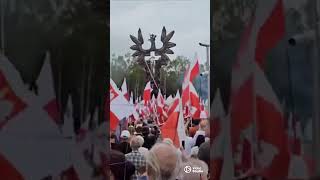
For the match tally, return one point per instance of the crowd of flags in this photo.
(34, 142)
(254, 138)
(170, 113)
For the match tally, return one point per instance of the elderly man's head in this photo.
(135, 142)
(163, 162)
(140, 140)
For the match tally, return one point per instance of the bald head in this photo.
(162, 162)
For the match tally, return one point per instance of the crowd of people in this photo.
(141, 153)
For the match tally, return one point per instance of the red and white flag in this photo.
(124, 89)
(221, 155)
(194, 69)
(147, 93)
(119, 106)
(169, 100)
(67, 129)
(174, 104)
(131, 98)
(11, 90)
(160, 104)
(299, 167)
(174, 128)
(249, 85)
(21, 143)
(185, 95)
(270, 128)
(194, 102)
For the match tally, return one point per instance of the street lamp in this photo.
(200, 84)
(207, 46)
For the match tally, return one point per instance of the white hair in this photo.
(140, 140)
(154, 168)
(135, 143)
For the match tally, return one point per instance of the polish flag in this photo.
(169, 100)
(194, 102)
(185, 87)
(21, 143)
(174, 127)
(195, 69)
(68, 128)
(147, 93)
(299, 167)
(249, 85)
(221, 155)
(270, 129)
(124, 89)
(131, 98)
(11, 90)
(192, 71)
(119, 106)
(160, 103)
(175, 104)
(160, 99)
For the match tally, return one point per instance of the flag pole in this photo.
(207, 46)
(151, 74)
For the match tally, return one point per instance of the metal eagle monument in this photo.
(140, 55)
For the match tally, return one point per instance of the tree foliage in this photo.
(126, 67)
(75, 34)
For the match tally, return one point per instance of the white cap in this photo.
(125, 134)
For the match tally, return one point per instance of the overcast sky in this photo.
(190, 19)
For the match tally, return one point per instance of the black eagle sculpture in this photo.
(140, 53)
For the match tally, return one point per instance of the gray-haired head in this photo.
(163, 162)
(140, 140)
(135, 143)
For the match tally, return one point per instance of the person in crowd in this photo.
(200, 139)
(207, 131)
(202, 170)
(194, 152)
(163, 162)
(204, 152)
(131, 130)
(190, 131)
(135, 157)
(138, 130)
(149, 139)
(120, 168)
(141, 149)
(203, 126)
(113, 139)
(195, 149)
(124, 145)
